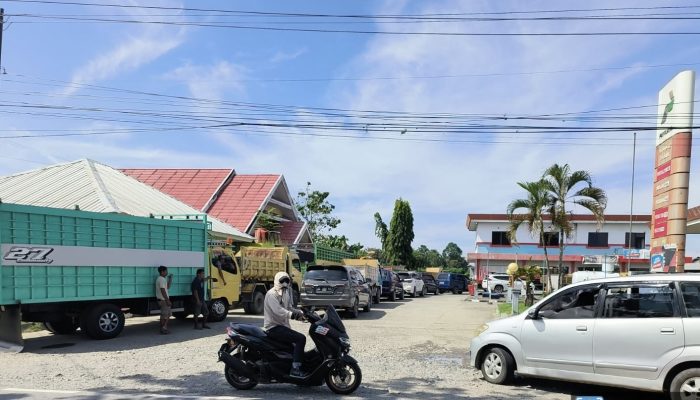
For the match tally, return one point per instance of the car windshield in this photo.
(328, 274)
(444, 276)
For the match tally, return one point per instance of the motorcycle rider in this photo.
(279, 308)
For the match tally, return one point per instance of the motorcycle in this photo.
(251, 357)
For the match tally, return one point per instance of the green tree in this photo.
(398, 241)
(531, 211)
(454, 260)
(380, 229)
(424, 257)
(576, 188)
(317, 211)
(342, 243)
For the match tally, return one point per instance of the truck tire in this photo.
(257, 306)
(103, 321)
(218, 310)
(64, 326)
(246, 308)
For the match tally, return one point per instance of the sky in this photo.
(170, 87)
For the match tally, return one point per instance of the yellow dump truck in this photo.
(370, 269)
(244, 278)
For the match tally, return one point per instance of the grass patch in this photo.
(32, 327)
(507, 308)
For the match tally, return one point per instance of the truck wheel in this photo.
(246, 308)
(218, 310)
(104, 321)
(257, 306)
(64, 326)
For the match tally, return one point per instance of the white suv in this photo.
(640, 332)
(412, 283)
(497, 283)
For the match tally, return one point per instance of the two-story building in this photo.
(608, 247)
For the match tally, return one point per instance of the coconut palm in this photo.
(576, 188)
(531, 211)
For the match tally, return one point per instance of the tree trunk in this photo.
(561, 256)
(547, 273)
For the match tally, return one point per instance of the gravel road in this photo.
(410, 349)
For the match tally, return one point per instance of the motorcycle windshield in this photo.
(334, 319)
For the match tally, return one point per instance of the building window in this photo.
(500, 238)
(638, 239)
(597, 239)
(551, 239)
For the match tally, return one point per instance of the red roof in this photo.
(290, 230)
(694, 213)
(193, 187)
(239, 202)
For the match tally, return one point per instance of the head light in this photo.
(483, 328)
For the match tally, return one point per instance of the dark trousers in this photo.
(283, 334)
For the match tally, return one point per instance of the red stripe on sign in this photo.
(663, 171)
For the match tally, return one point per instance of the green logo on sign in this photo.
(669, 107)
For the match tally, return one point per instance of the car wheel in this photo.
(402, 295)
(392, 296)
(423, 292)
(368, 307)
(378, 297)
(454, 291)
(437, 292)
(686, 384)
(498, 366)
(498, 289)
(414, 294)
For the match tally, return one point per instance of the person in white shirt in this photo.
(162, 286)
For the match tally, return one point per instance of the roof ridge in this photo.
(102, 190)
(31, 171)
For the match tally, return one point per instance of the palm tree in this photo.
(560, 182)
(532, 211)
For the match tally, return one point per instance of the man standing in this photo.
(200, 306)
(162, 286)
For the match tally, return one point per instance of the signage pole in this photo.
(629, 244)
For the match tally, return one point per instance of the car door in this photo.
(639, 331)
(691, 314)
(560, 338)
(361, 287)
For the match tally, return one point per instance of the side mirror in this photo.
(533, 313)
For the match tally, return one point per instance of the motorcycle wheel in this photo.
(344, 379)
(238, 381)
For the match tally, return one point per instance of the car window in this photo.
(571, 304)
(691, 297)
(639, 301)
(330, 274)
(443, 276)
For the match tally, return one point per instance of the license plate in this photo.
(442, 283)
(324, 289)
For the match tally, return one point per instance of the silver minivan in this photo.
(640, 332)
(338, 285)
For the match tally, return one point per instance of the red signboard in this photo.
(663, 171)
(661, 216)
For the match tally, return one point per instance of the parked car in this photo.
(496, 283)
(337, 285)
(412, 283)
(451, 282)
(640, 332)
(392, 288)
(430, 283)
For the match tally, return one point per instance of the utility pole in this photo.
(2, 20)
(629, 244)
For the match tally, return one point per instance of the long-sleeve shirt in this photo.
(277, 309)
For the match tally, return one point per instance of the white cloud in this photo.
(141, 46)
(281, 56)
(210, 81)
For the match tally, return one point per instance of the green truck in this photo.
(72, 269)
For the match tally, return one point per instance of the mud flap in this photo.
(11, 329)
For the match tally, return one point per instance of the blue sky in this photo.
(52, 62)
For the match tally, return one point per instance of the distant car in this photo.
(451, 282)
(638, 332)
(496, 283)
(412, 283)
(392, 288)
(431, 285)
(337, 285)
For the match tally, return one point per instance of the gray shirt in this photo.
(278, 308)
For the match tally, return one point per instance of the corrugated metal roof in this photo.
(97, 187)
